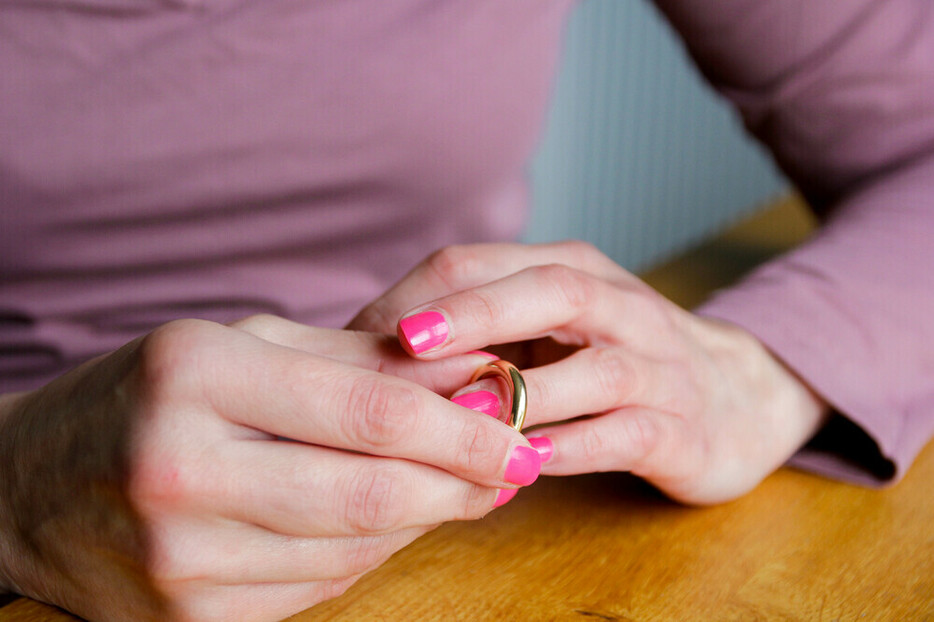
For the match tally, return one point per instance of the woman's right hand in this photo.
(158, 482)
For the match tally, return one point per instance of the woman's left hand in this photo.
(697, 407)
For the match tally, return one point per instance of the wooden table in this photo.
(607, 547)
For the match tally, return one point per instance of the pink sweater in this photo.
(216, 158)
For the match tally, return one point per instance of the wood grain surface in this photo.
(608, 547)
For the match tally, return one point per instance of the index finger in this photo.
(573, 307)
(294, 394)
(456, 268)
(373, 351)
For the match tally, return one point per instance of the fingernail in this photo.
(424, 331)
(543, 446)
(482, 401)
(505, 496)
(524, 466)
(492, 357)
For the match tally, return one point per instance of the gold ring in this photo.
(510, 374)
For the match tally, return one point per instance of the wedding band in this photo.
(510, 374)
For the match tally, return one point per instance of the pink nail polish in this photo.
(424, 331)
(482, 401)
(543, 446)
(505, 496)
(524, 466)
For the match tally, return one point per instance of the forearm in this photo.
(851, 312)
(840, 94)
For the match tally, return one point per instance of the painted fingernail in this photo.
(482, 401)
(492, 357)
(505, 496)
(524, 466)
(424, 331)
(543, 446)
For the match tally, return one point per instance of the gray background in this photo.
(640, 156)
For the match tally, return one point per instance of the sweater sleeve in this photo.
(843, 94)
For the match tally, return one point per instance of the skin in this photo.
(210, 472)
(619, 378)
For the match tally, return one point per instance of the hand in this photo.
(697, 407)
(157, 482)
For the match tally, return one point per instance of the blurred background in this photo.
(640, 156)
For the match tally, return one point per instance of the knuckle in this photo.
(614, 373)
(653, 309)
(591, 259)
(543, 391)
(453, 265)
(476, 502)
(572, 288)
(594, 446)
(584, 252)
(374, 504)
(164, 482)
(641, 436)
(169, 558)
(477, 449)
(168, 357)
(380, 414)
(379, 316)
(332, 589)
(487, 310)
(263, 325)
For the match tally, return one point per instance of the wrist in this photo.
(792, 411)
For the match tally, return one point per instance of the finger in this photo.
(591, 381)
(572, 307)
(308, 491)
(288, 393)
(236, 553)
(489, 396)
(630, 439)
(462, 267)
(367, 350)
